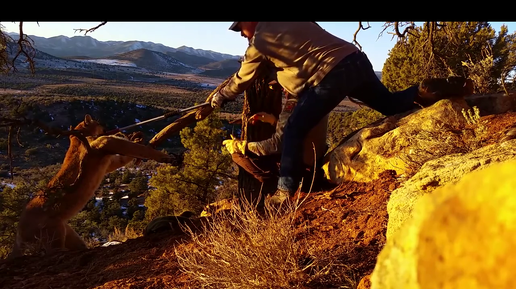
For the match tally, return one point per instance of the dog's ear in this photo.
(87, 119)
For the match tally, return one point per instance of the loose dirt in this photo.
(348, 222)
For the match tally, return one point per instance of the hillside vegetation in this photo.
(391, 214)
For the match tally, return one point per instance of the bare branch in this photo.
(13, 123)
(431, 29)
(18, 137)
(397, 30)
(8, 122)
(227, 176)
(385, 26)
(86, 31)
(360, 27)
(24, 42)
(396, 25)
(191, 182)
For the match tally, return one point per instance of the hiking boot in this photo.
(278, 198)
(432, 90)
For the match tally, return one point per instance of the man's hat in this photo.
(235, 27)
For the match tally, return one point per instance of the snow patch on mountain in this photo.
(62, 46)
(207, 53)
(136, 46)
(109, 62)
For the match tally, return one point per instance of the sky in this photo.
(213, 36)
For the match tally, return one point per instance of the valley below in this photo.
(59, 94)
(116, 97)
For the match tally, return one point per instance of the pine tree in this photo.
(4, 42)
(12, 201)
(194, 185)
(138, 184)
(127, 176)
(505, 63)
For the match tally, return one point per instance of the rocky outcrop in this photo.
(396, 143)
(439, 172)
(444, 230)
(460, 236)
(427, 148)
(493, 103)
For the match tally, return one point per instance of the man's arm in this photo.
(273, 144)
(249, 70)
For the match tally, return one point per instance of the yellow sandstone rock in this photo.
(461, 236)
(389, 144)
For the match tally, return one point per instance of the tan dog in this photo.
(43, 223)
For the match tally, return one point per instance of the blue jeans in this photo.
(354, 77)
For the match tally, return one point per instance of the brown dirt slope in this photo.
(349, 222)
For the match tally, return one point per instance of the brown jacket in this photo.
(301, 54)
(273, 144)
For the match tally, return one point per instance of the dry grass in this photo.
(475, 133)
(91, 242)
(122, 236)
(241, 248)
(41, 246)
(427, 145)
(455, 136)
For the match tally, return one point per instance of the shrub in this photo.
(31, 152)
(122, 236)
(475, 132)
(242, 249)
(481, 73)
(3, 144)
(455, 136)
(342, 124)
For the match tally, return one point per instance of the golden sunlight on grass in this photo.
(241, 248)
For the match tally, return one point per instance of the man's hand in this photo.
(218, 100)
(263, 117)
(235, 146)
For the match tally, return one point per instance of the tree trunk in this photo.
(260, 97)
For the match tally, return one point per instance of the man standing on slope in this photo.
(261, 158)
(321, 70)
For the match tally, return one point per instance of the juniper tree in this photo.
(443, 54)
(138, 184)
(194, 185)
(12, 201)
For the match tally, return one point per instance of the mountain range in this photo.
(63, 46)
(85, 52)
